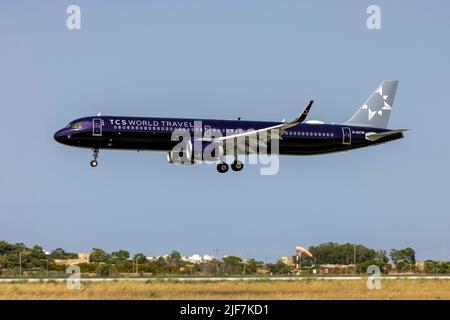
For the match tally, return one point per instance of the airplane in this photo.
(367, 127)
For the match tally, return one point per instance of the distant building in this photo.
(154, 258)
(196, 258)
(420, 266)
(193, 259)
(208, 258)
(337, 268)
(83, 257)
(289, 261)
(262, 270)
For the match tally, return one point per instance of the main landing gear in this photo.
(222, 167)
(94, 156)
(235, 166)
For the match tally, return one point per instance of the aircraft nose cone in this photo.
(59, 136)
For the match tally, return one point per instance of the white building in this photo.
(195, 258)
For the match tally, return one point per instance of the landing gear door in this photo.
(346, 136)
(96, 127)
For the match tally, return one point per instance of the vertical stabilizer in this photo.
(376, 110)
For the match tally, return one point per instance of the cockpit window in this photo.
(75, 125)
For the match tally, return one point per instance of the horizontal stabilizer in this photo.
(373, 136)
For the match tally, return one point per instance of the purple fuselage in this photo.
(140, 133)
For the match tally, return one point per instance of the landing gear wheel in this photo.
(94, 156)
(222, 167)
(237, 166)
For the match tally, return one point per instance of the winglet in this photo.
(304, 114)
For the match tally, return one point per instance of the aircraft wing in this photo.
(283, 126)
(273, 132)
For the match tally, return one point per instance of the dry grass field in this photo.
(309, 289)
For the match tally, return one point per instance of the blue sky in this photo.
(261, 60)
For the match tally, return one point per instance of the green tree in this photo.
(363, 266)
(404, 259)
(6, 248)
(431, 266)
(120, 255)
(174, 260)
(252, 266)
(382, 256)
(232, 265)
(38, 258)
(335, 253)
(9, 254)
(88, 267)
(125, 267)
(278, 268)
(103, 270)
(99, 255)
(140, 258)
(211, 267)
(59, 253)
(410, 255)
(161, 262)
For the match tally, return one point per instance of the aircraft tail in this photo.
(376, 110)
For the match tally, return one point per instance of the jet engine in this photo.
(181, 155)
(187, 155)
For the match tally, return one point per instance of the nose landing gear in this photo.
(94, 156)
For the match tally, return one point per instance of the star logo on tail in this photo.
(386, 106)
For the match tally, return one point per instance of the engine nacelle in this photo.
(174, 157)
(187, 155)
(182, 155)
